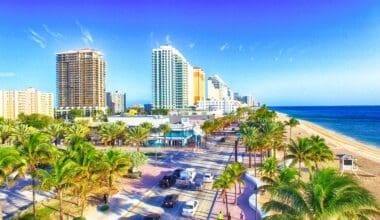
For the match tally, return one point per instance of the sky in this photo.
(283, 52)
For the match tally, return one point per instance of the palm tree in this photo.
(35, 150)
(293, 122)
(164, 129)
(5, 132)
(223, 183)
(269, 168)
(55, 131)
(63, 174)
(272, 133)
(147, 125)
(117, 164)
(208, 129)
(109, 133)
(236, 170)
(92, 169)
(251, 139)
(137, 136)
(320, 151)
(328, 195)
(21, 133)
(78, 130)
(286, 176)
(10, 162)
(300, 151)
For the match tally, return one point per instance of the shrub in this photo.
(104, 208)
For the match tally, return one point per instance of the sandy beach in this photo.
(368, 157)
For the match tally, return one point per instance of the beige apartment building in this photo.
(12, 103)
(81, 80)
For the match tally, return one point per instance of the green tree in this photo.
(55, 131)
(286, 176)
(5, 132)
(328, 195)
(160, 111)
(10, 162)
(35, 120)
(20, 133)
(109, 133)
(164, 129)
(223, 183)
(147, 125)
(137, 136)
(293, 122)
(300, 151)
(269, 168)
(92, 170)
(117, 164)
(251, 138)
(75, 113)
(136, 158)
(236, 170)
(76, 130)
(35, 150)
(320, 152)
(62, 176)
(208, 128)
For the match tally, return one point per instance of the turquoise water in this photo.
(359, 122)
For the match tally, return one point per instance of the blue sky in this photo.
(282, 52)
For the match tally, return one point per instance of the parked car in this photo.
(167, 181)
(152, 217)
(170, 201)
(190, 208)
(177, 172)
(199, 184)
(208, 177)
(186, 177)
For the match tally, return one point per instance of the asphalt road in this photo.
(212, 160)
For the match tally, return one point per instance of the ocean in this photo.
(361, 123)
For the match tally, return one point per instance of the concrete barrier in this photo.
(252, 199)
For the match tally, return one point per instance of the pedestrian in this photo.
(220, 216)
(241, 215)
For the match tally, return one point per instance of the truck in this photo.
(186, 177)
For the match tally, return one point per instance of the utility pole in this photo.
(236, 148)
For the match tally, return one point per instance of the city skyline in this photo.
(323, 53)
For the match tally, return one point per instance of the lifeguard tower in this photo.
(348, 163)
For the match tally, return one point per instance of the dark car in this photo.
(170, 201)
(167, 181)
(152, 217)
(177, 172)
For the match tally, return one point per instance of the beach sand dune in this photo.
(368, 157)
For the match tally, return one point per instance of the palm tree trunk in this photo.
(261, 156)
(227, 204)
(34, 197)
(254, 163)
(235, 194)
(284, 156)
(299, 169)
(250, 159)
(239, 188)
(84, 200)
(60, 193)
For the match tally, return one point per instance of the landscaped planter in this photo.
(103, 208)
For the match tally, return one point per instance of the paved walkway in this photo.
(133, 190)
(16, 199)
(242, 205)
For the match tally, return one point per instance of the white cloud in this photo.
(86, 35)
(167, 39)
(224, 46)
(7, 74)
(55, 35)
(37, 38)
(191, 45)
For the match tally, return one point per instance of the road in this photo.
(212, 160)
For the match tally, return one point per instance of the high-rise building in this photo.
(172, 79)
(217, 89)
(12, 103)
(199, 85)
(116, 102)
(248, 99)
(81, 80)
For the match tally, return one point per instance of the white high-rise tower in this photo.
(172, 79)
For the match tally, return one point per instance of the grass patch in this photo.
(43, 213)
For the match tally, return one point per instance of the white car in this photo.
(208, 177)
(190, 208)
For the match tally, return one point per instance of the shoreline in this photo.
(338, 139)
(367, 156)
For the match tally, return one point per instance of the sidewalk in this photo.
(133, 190)
(242, 199)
